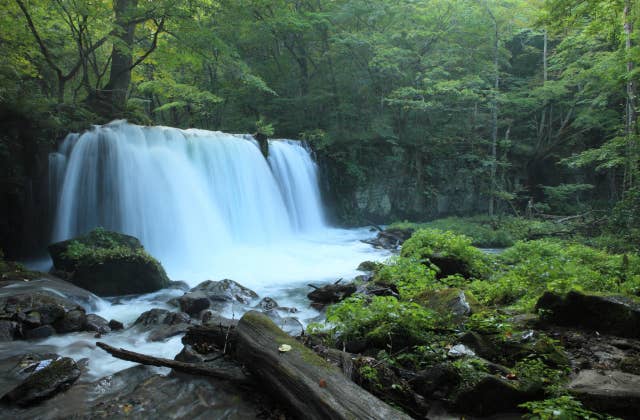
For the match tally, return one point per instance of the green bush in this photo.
(563, 407)
(409, 276)
(380, 320)
(427, 242)
(531, 268)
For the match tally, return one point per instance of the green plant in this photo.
(564, 407)
(425, 243)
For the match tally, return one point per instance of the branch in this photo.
(43, 48)
(190, 368)
(154, 44)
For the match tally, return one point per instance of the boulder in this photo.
(391, 238)
(267, 304)
(47, 380)
(7, 330)
(614, 315)
(162, 323)
(449, 302)
(369, 266)
(115, 325)
(332, 293)
(108, 264)
(491, 395)
(436, 381)
(38, 333)
(214, 294)
(609, 391)
(97, 323)
(71, 321)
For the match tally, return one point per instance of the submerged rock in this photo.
(615, 315)
(47, 380)
(109, 264)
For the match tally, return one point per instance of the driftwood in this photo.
(190, 368)
(212, 336)
(313, 388)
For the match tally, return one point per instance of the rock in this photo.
(189, 355)
(45, 382)
(449, 265)
(7, 330)
(43, 331)
(391, 238)
(369, 266)
(436, 381)
(97, 323)
(213, 293)
(266, 304)
(449, 302)
(218, 333)
(178, 284)
(480, 344)
(291, 325)
(115, 325)
(226, 291)
(194, 302)
(332, 293)
(613, 315)
(491, 395)
(612, 392)
(460, 350)
(66, 293)
(163, 323)
(109, 264)
(72, 321)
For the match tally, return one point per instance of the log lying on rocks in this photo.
(217, 334)
(313, 388)
(190, 368)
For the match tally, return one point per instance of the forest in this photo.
(491, 146)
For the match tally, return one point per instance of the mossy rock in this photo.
(449, 302)
(109, 264)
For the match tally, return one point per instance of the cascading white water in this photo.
(184, 193)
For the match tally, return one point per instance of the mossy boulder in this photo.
(450, 302)
(109, 264)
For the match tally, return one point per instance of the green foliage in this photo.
(428, 242)
(380, 319)
(531, 268)
(563, 407)
(409, 276)
(263, 127)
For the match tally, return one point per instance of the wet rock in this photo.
(193, 302)
(7, 330)
(189, 355)
(97, 323)
(109, 264)
(43, 331)
(613, 315)
(162, 323)
(390, 238)
(116, 325)
(72, 321)
(492, 394)
(369, 266)
(178, 284)
(65, 293)
(45, 382)
(612, 392)
(226, 291)
(332, 293)
(436, 381)
(480, 344)
(214, 294)
(460, 350)
(267, 304)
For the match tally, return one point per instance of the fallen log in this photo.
(331, 293)
(190, 368)
(313, 388)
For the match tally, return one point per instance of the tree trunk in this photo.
(494, 116)
(630, 126)
(122, 54)
(313, 388)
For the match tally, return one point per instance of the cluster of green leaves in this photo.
(488, 232)
(380, 319)
(531, 268)
(428, 242)
(562, 407)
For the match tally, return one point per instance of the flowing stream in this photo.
(208, 205)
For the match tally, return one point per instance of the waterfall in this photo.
(186, 194)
